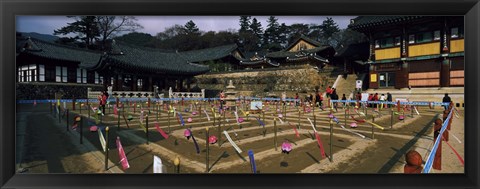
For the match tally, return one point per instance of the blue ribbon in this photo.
(181, 119)
(252, 161)
(431, 156)
(260, 122)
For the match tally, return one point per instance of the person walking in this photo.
(375, 98)
(334, 96)
(382, 99)
(328, 91)
(344, 98)
(103, 101)
(446, 99)
(389, 99)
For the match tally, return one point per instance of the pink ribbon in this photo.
(322, 151)
(121, 153)
(161, 131)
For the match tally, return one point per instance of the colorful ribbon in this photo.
(160, 130)
(121, 154)
(231, 142)
(252, 161)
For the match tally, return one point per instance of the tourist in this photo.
(222, 98)
(370, 98)
(344, 98)
(102, 99)
(317, 99)
(446, 99)
(389, 99)
(320, 104)
(375, 98)
(382, 99)
(328, 91)
(334, 96)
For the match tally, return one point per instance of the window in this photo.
(28, 73)
(42, 72)
(454, 32)
(98, 79)
(397, 41)
(387, 42)
(411, 39)
(140, 83)
(424, 37)
(436, 35)
(81, 75)
(60, 74)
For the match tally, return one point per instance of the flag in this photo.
(102, 140)
(231, 142)
(322, 151)
(252, 161)
(157, 165)
(161, 131)
(122, 156)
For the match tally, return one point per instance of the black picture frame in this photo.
(9, 9)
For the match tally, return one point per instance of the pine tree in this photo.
(329, 27)
(272, 38)
(256, 28)
(244, 24)
(191, 28)
(85, 28)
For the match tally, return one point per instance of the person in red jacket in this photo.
(328, 91)
(370, 98)
(375, 98)
(103, 101)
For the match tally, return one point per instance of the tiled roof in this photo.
(372, 21)
(305, 38)
(213, 53)
(154, 60)
(356, 51)
(85, 58)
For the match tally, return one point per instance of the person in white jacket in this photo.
(382, 99)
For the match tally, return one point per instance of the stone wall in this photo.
(30, 91)
(262, 82)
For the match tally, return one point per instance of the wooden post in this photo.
(373, 131)
(67, 120)
(445, 133)
(51, 109)
(106, 147)
(207, 154)
(331, 140)
(73, 103)
(298, 118)
(169, 122)
(275, 133)
(218, 128)
(146, 127)
(148, 105)
(59, 114)
(391, 118)
(176, 162)
(118, 117)
(437, 161)
(88, 108)
(81, 129)
(346, 110)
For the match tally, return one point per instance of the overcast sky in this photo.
(156, 24)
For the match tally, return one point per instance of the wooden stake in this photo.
(106, 147)
(275, 133)
(331, 140)
(207, 168)
(176, 162)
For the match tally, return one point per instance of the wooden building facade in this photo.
(413, 51)
(125, 67)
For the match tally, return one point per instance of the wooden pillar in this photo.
(401, 76)
(134, 85)
(188, 84)
(120, 82)
(445, 73)
(150, 83)
(437, 161)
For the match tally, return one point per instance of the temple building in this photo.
(303, 51)
(125, 67)
(413, 51)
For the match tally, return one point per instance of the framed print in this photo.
(233, 94)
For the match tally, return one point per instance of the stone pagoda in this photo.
(230, 93)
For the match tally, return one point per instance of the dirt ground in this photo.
(48, 148)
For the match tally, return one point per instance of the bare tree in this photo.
(109, 26)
